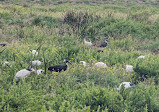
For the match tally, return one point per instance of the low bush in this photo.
(94, 98)
(142, 99)
(117, 28)
(147, 68)
(46, 21)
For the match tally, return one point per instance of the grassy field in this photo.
(57, 30)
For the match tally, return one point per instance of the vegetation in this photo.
(56, 29)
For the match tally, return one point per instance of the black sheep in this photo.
(3, 44)
(59, 68)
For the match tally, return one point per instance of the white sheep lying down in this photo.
(126, 85)
(128, 68)
(100, 65)
(23, 73)
(87, 43)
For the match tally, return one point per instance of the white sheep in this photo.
(100, 65)
(83, 63)
(34, 52)
(128, 68)
(35, 63)
(87, 43)
(6, 63)
(23, 73)
(126, 85)
(141, 57)
(39, 71)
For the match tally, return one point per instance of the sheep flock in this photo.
(23, 73)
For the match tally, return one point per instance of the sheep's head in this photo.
(83, 63)
(30, 69)
(66, 61)
(40, 71)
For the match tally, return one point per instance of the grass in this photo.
(57, 32)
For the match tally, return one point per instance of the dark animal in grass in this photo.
(59, 68)
(3, 44)
(104, 44)
(100, 51)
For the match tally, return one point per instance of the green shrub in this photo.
(141, 16)
(81, 89)
(5, 16)
(117, 28)
(15, 22)
(125, 44)
(142, 97)
(46, 21)
(93, 31)
(104, 78)
(137, 30)
(147, 68)
(88, 97)
(20, 97)
(79, 21)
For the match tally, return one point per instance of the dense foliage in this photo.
(57, 33)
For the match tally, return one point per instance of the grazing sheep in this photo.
(59, 68)
(100, 65)
(128, 68)
(141, 57)
(87, 43)
(23, 73)
(83, 63)
(39, 71)
(126, 85)
(35, 63)
(34, 52)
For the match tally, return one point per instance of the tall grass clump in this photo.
(79, 21)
